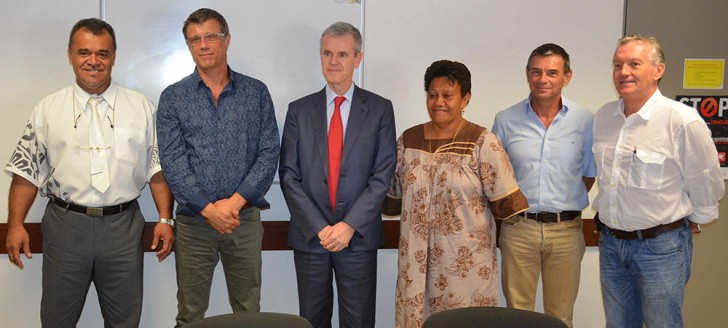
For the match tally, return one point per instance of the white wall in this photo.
(277, 42)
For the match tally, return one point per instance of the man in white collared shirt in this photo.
(658, 173)
(91, 148)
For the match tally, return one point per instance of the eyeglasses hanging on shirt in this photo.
(82, 139)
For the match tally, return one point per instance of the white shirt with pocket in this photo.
(656, 166)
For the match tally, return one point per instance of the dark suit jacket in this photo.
(367, 166)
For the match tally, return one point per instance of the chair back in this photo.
(258, 320)
(491, 317)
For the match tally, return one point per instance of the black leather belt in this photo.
(647, 233)
(93, 211)
(549, 217)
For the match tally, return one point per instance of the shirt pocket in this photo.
(599, 154)
(645, 170)
(129, 146)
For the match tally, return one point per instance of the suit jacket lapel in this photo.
(318, 116)
(357, 113)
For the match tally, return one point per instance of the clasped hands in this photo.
(222, 215)
(336, 237)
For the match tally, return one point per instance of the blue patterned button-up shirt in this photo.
(208, 152)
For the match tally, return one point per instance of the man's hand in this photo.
(694, 227)
(234, 202)
(324, 233)
(163, 232)
(221, 218)
(17, 239)
(22, 194)
(338, 237)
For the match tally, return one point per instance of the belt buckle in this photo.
(94, 211)
(544, 217)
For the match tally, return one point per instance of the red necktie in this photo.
(336, 145)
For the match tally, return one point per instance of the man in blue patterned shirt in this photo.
(218, 144)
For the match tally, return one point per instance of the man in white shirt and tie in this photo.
(90, 148)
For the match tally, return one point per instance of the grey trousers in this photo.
(199, 247)
(79, 249)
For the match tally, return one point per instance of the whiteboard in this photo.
(277, 43)
(493, 38)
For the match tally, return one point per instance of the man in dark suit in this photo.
(337, 158)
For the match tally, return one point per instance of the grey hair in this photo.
(657, 55)
(340, 29)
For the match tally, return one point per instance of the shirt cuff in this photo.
(704, 215)
(12, 170)
(253, 196)
(152, 171)
(197, 203)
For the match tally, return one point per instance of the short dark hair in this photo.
(203, 14)
(550, 49)
(96, 27)
(452, 70)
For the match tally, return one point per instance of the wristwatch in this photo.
(167, 221)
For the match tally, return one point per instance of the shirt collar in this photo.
(563, 111)
(330, 94)
(647, 110)
(109, 95)
(197, 79)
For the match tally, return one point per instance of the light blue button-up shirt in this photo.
(549, 163)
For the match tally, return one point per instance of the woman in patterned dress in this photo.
(453, 178)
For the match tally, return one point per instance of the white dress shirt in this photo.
(656, 166)
(53, 152)
(345, 108)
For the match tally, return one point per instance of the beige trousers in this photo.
(554, 250)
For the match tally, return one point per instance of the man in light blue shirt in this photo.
(548, 139)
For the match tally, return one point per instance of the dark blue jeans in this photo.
(643, 280)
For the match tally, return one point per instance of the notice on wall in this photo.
(703, 73)
(714, 110)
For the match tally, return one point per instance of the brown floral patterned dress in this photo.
(450, 192)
